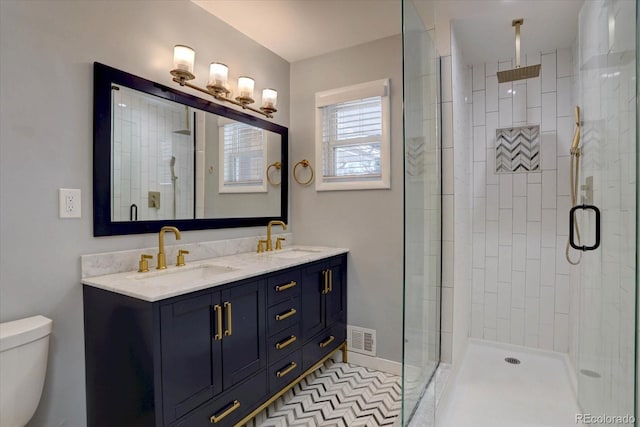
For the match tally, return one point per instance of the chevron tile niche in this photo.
(518, 149)
(337, 395)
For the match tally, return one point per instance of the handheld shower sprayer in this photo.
(173, 168)
(575, 170)
(575, 149)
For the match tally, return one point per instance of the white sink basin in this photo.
(186, 274)
(293, 253)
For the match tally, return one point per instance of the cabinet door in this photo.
(189, 354)
(312, 304)
(244, 344)
(336, 300)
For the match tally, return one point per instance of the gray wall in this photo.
(368, 222)
(46, 55)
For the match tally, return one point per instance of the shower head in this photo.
(518, 73)
(187, 130)
(183, 132)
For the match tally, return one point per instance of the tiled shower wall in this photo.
(520, 278)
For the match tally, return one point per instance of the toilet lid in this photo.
(23, 331)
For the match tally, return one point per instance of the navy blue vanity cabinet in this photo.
(324, 308)
(210, 343)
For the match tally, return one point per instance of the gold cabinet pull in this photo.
(229, 330)
(218, 310)
(289, 285)
(286, 315)
(330, 280)
(325, 274)
(282, 344)
(285, 371)
(225, 412)
(328, 341)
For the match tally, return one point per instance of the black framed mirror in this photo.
(164, 157)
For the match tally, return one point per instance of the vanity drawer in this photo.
(283, 286)
(283, 343)
(283, 315)
(284, 371)
(322, 344)
(244, 398)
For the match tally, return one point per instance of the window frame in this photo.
(239, 188)
(346, 94)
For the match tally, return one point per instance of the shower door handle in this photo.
(584, 248)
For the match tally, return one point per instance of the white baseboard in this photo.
(375, 363)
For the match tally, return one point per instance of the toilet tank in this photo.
(24, 345)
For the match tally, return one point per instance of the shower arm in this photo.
(516, 23)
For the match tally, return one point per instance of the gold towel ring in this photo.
(306, 164)
(278, 166)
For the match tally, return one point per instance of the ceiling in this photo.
(300, 29)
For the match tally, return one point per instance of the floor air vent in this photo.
(512, 360)
(361, 340)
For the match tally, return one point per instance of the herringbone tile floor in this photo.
(337, 395)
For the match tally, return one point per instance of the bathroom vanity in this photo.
(213, 342)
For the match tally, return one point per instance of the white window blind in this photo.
(351, 138)
(243, 155)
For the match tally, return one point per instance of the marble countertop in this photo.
(157, 285)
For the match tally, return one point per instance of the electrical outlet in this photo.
(69, 202)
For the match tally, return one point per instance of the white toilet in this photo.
(24, 345)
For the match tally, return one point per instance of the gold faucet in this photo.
(162, 258)
(269, 243)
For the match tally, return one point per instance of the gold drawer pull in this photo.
(285, 371)
(215, 418)
(218, 310)
(282, 344)
(229, 330)
(286, 315)
(325, 274)
(328, 341)
(330, 280)
(289, 285)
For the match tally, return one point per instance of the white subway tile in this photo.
(490, 334)
(534, 178)
(533, 93)
(446, 76)
(492, 176)
(506, 190)
(490, 310)
(533, 240)
(564, 62)
(504, 301)
(545, 336)
(478, 77)
(448, 179)
(492, 238)
(563, 182)
(478, 214)
(447, 124)
(520, 215)
(533, 278)
(517, 326)
(564, 101)
(532, 58)
(562, 265)
(548, 189)
(548, 231)
(563, 294)
(534, 116)
(503, 332)
(447, 310)
(519, 260)
(532, 317)
(520, 102)
(505, 90)
(531, 340)
(446, 347)
(505, 65)
(477, 321)
(447, 212)
(518, 286)
(506, 226)
(479, 179)
(519, 185)
(479, 144)
(534, 201)
(548, 267)
(565, 135)
(491, 274)
(548, 73)
(562, 218)
(478, 250)
(492, 120)
(493, 202)
(548, 151)
(491, 93)
(561, 333)
(548, 112)
(477, 286)
(505, 119)
(478, 108)
(491, 69)
(504, 264)
(447, 264)
(547, 304)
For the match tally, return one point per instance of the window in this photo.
(352, 137)
(242, 158)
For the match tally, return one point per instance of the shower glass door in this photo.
(421, 334)
(606, 82)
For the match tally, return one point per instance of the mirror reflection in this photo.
(172, 161)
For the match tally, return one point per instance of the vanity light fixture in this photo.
(182, 72)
